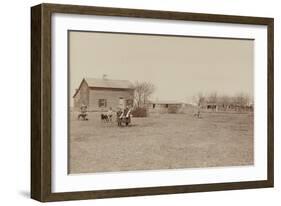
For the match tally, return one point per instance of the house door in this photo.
(122, 103)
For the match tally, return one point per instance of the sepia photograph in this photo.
(155, 102)
(131, 102)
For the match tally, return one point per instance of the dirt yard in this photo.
(161, 141)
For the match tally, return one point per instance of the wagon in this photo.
(124, 120)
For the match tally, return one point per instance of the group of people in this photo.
(123, 116)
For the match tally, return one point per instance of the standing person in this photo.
(127, 114)
(119, 115)
(198, 111)
(83, 112)
(110, 114)
(83, 108)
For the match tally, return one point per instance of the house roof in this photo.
(109, 83)
(106, 83)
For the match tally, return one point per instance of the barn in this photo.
(101, 94)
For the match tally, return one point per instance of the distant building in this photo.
(101, 94)
(166, 106)
(231, 105)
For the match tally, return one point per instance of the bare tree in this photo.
(247, 99)
(213, 97)
(242, 99)
(143, 90)
(225, 99)
(199, 99)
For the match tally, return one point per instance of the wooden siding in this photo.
(112, 97)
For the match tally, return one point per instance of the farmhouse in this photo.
(101, 94)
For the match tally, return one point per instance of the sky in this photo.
(179, 67)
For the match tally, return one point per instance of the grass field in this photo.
(161, 141)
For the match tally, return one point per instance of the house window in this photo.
(102, 102)
(153, 106)
(167, 105)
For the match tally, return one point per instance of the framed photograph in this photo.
(130, 102)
